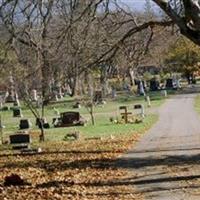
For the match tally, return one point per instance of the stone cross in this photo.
(125, 114)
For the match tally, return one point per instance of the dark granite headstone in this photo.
(17, 112)
(20, 140)
(98, 97)
(154, 85)
(169, 83)
(69, 119)
(137, 106)
(46, 125)
(24, 124)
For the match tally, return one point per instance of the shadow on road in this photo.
(149, 161)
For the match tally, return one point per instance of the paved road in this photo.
(166, 162)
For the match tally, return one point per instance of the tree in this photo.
(56, 37)
(185, 14)
(27, 24)
(183, 57)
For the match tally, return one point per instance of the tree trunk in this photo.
(42, 133)
(104, 80)
(92, 114)
(73, 86)
(40, 124)
(131, 76)
(1, 130)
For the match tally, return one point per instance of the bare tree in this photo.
(185, 14)
(60, 40)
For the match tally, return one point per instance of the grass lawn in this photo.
(83, 169)
(103, 126)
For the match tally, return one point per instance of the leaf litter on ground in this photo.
(70, 170)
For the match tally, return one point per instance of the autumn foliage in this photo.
(76, 170)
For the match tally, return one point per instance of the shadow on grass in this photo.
(104, 163)
(120, 163)
(130, 182)
(118, 182)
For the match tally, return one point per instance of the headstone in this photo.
(114, 94)
(98, 97)
(154, 85)
(169, 83)
(20, 140)
(60, 94)
(178, 84)
(46, 125)
(125, 114)
(148, 101)
(141, 88)
(164, 93)
(141, 108)
(144, 85)
(17, 112)
(34, 95)
(69, 119)
(10, 98)
(24, 124)
(68, 90)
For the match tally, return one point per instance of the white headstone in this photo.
(148, 101)
(164, 93)
(60, 94)
(34, 95)
(178, 83)
(142, 111)
(142, 92)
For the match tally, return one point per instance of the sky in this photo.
(137, 4)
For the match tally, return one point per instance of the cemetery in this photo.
(99, 100)
(119, 120)
(78, 118)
